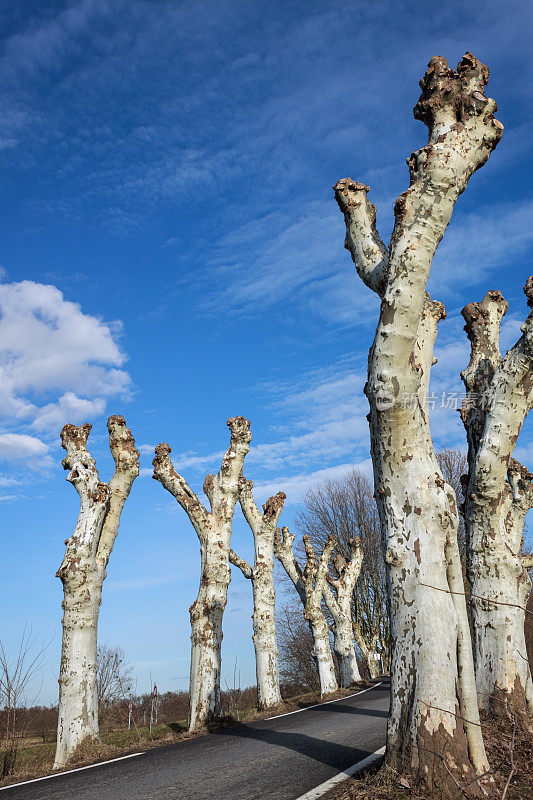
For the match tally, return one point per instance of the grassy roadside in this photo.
(513, 767)
(36, 760)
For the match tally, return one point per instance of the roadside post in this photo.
(154, 698)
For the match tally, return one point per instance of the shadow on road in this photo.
(365, 712)
(334, 755)
(338, 756)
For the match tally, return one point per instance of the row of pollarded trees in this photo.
(434, 730)
(83, 571)
(439, 679)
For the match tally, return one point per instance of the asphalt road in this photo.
(278, 759)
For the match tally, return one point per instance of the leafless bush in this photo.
(15, 676)
(295, 642)
(113, 675)
(345, 509)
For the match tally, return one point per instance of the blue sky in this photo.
(171, 250)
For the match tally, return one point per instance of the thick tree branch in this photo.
(462, 134)
(126, 458)
(508, 400)
(227, 477)
(369, 254)
(263, 525)
(482, 327)
(94, 497)
(432, 313)
(165, 473)
(253, 516)
(314, 575)
(83, 474)
(243, 565)
(283, 542)
(262, 576)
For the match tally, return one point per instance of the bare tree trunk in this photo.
(346, 509)
(340, 607)
(426, 735)
(214, 532)
(368, 651)
(498, 497)
(314, 578)
(310, 586)
(262, 577)
(83, 572)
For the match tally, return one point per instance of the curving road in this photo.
(280, 759)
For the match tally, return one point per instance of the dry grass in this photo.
(384, 784)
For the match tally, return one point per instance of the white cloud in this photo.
(22, 447)
(49, 347)
(295, 486)
(146, 449)
(69, 407)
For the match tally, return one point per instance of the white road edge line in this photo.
(68, 771)
(316, 705)
(318, 791)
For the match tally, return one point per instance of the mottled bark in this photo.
(214, 533)
(83, 572)
(310, 584)
(417, 508)
(339, 603)
(499, 493)
(264, 594)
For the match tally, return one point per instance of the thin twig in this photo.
(478, 597)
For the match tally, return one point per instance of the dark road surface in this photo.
(276, 759)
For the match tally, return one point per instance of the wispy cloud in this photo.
(479, 243)
(295, 486)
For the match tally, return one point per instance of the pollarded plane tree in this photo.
(214, 533)
(499, 493)
(261, 576)
(310, 583)
(345, 509)
(433, 730)
(338, 593)
(83, 572)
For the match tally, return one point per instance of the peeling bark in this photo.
(264, 594)
(417, 508)
(340, 607)
(499, 495)
(83, 572)
(214, 533)
(310, 584)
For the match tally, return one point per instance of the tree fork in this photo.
(263, 527)
(417, 508)
(499, 493)
(214, 533)
(83, 572)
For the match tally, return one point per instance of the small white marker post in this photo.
(154, 697)
(130, 709)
